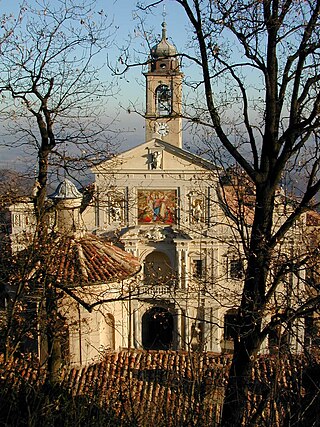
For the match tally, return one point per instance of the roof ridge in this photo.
(81, 256)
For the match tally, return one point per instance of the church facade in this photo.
(160, 203)
(165, 206)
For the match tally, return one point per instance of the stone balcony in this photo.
(166, 291)
(156, 291)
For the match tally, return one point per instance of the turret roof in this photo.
(66, 190)
(163, 49)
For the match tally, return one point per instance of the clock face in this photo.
(162, 129)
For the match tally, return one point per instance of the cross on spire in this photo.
(164, 25)
(164, 13)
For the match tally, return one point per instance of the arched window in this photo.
(163, 100)
(157, 269)
(230, 324)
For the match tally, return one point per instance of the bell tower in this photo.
(164, 93)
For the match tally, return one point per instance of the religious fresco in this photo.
(197, 209)
(157, 206)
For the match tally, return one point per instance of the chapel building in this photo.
(166, 206)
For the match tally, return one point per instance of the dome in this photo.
(89, 260)
(74, 261)
(66, 190)
(163, 48)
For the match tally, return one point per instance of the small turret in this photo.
(67, 200)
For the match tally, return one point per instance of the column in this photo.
(179, 328)
(136, 329)
(186, 275)
(179, 269)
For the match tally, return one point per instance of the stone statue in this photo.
(156, 160)
(197, 212)
(115, 213)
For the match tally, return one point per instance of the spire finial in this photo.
(164, 25)
(164, 13)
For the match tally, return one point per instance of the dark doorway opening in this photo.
(157, 329)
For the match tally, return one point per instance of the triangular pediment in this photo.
(169, 158)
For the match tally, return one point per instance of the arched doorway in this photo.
(157, 329)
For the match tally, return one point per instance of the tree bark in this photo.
(248, 341)
(54, 359)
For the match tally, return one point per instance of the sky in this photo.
(122, 15)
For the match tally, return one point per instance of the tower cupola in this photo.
(163, 56)
(67, 200)
(163, 49)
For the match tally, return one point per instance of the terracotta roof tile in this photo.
(313, 218)
(238, 203)
(173, 381)
(89, 260)
(74, 261)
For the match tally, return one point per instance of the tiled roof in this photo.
(174, 385)
(85, 260)
(238, 203)
(313, 218)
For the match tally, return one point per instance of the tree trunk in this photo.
(237, 389)
(40, 197)
(54, 360)
(248, 341)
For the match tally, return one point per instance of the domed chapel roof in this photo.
(76, 258)
(89, 260)
(70, 261)
(163, 49)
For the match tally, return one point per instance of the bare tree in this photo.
(52, 86)
(54, 101)
(259, 67)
